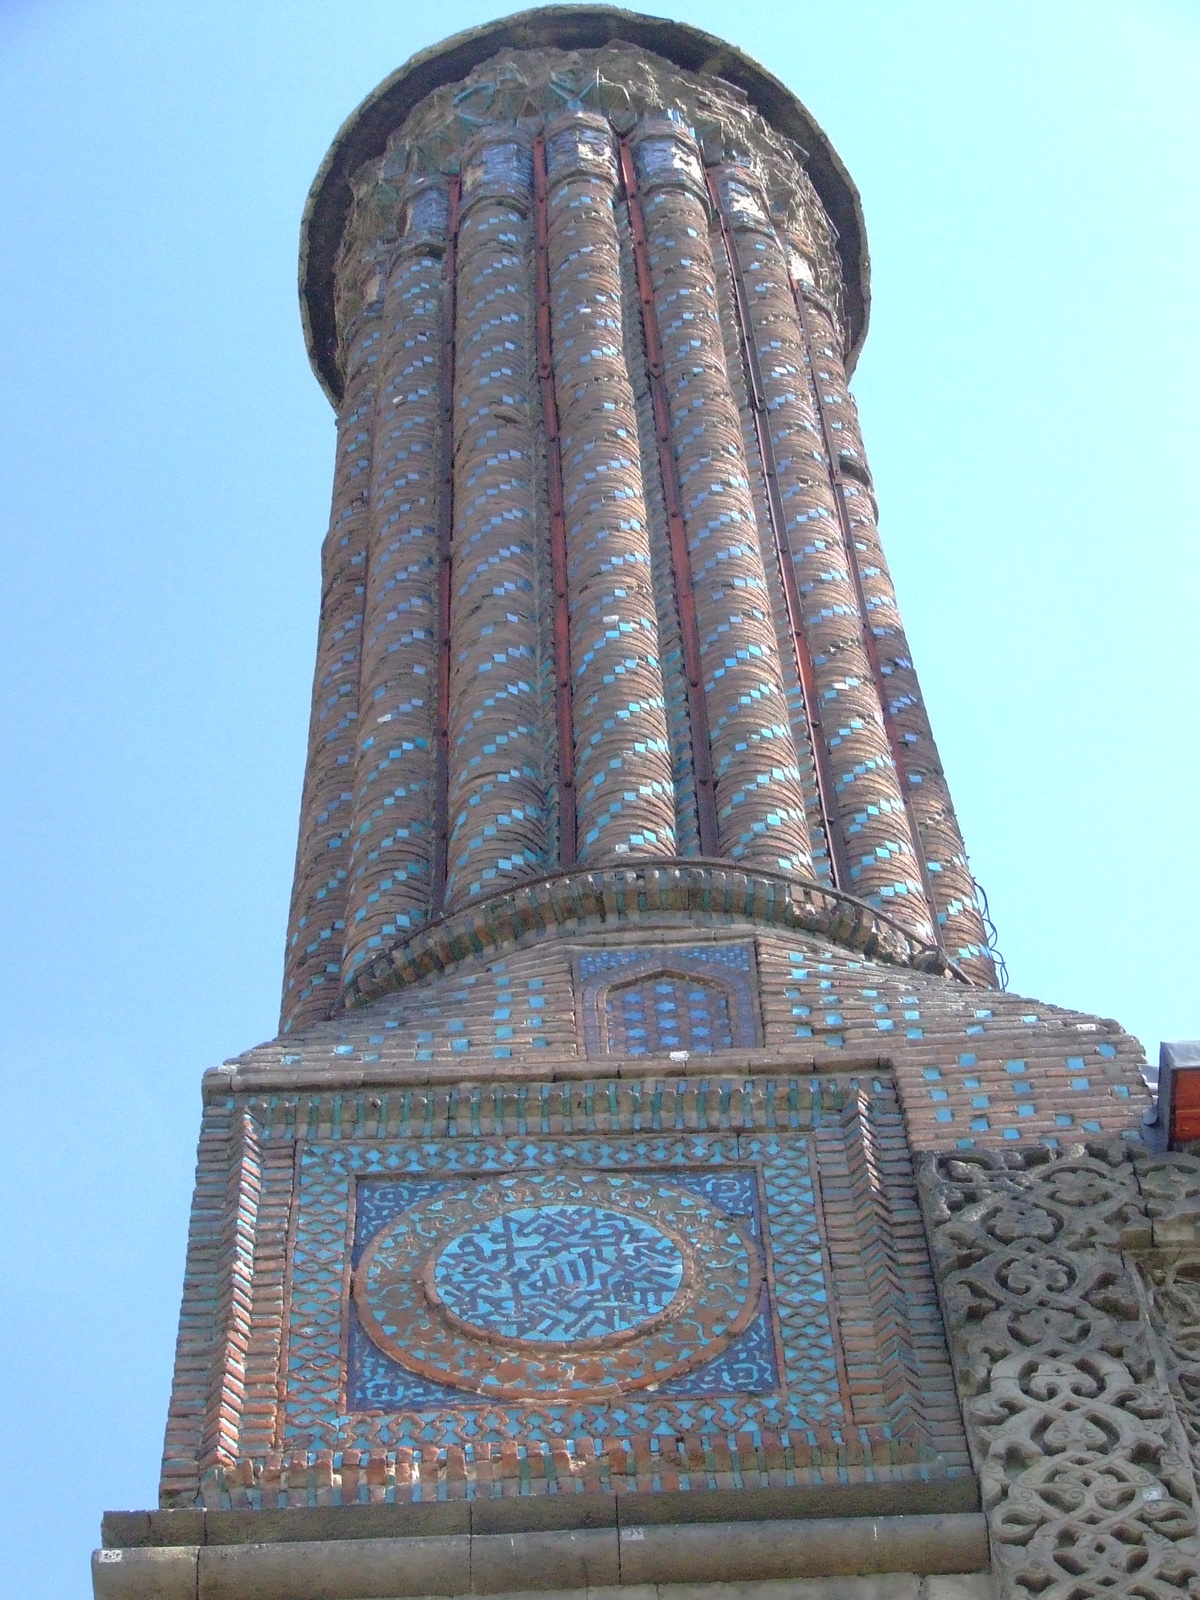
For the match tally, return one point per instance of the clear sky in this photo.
(1029, 398)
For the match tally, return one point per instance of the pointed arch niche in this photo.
(651, 1000)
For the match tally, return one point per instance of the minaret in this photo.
(602, 581)
(650, 1182)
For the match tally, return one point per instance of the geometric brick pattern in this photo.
(588, 1158)
(376, 1381)
(640, 1001)
(874, 1261)
(972, 1068)
(481, 1066)
(316, 1403)
(648, 1015)
(867, 802)
(801, 1292)
(790, 1383)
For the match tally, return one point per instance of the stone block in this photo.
(404, 1520)
(166, 1573)
(579, 1558)
(793, 1502)
(963, 1586)
(335, 1569)
(884, 1586)
(542, 1513)
(122, 1530)
(828, 1547)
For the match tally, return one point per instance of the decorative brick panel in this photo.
(832, 1376)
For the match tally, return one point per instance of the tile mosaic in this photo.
(652, 1000)
(505, 1257)
(376, 1381)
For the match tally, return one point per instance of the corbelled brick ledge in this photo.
(617, 895)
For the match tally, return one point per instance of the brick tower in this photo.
(650, 1182)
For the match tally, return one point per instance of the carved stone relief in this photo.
(1076, 1347)
(1169, 1274)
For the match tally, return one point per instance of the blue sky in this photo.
(1028, 393)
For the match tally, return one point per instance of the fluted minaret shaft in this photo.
(603, 580)
(955, 895)
(759, 799)
(867, 803)
(795, 661)
(624, 788)
(392, 844)
(316, 922)
(666, 601)
(496, 785)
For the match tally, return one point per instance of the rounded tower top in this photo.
(363, 137)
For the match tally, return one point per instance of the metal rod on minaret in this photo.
(558, 530)
(445, 542)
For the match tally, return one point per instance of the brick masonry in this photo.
(635, 967)
(602, 582)
(835, 1068)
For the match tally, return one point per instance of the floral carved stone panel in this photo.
(1073, 1340)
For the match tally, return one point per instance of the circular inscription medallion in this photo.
(558, 1285)
(557, 1274)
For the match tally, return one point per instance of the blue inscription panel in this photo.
(623, 1281)
(559, 1272)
